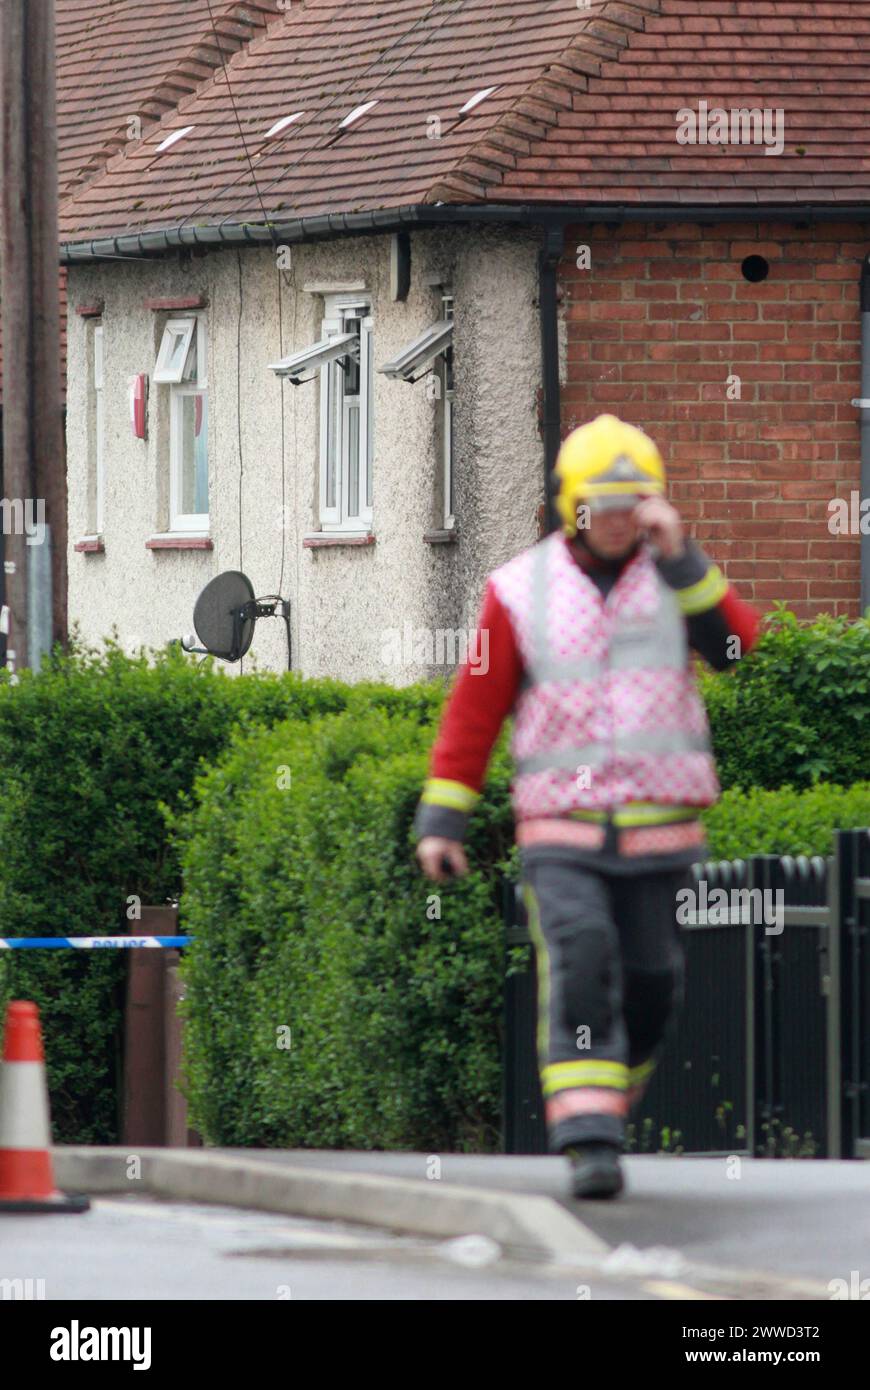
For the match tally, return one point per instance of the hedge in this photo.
(312, 928)
(89, 750)
(309, 915)
(93, 747)
(796, 711)
(758, 821)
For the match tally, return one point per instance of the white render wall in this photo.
(345, 600)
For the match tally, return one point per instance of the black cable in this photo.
(283, 464)
(150, 165)
(225, 67)
(331, 136)
(239, 415)
(318, 114)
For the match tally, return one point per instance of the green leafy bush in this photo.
(89, 749)
(796, 710)
(316, 921)
(308, 915)
(784, 822)
(95, 747)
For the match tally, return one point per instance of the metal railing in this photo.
(770, 1054)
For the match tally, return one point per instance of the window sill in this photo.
(320, 540)
(447, 535)
(172, 541)
(90, 545)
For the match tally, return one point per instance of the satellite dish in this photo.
(225, 615)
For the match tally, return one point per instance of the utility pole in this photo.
(34, 471)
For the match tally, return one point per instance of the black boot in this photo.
(595, 1169)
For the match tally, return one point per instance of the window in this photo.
(182, 365)
(346, 422)
(99, 477)
(175, 351)
(447, 421)
(343, 360)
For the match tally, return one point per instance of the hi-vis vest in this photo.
(608, 712)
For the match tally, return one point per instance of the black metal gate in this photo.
(771, 1052)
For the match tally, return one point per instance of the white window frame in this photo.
(182, 328)
(447, 459)
(335, 409)
(196, 523)
(98, 377)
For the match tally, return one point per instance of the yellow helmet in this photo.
(606, 458)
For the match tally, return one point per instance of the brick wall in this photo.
(654, 329)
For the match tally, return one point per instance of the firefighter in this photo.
(589, 638)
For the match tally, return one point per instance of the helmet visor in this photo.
(611, 502)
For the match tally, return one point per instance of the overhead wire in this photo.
(339, 98)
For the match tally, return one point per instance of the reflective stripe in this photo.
(640, 813)
(656, 741)
(700, 597)
(661, 839)
(623, 657)
(652, 813)
(588, 1101)
(543, 972)
(633, 840)
(540, 627)
(555, 830)
(440, 791)
(640, 1073)
(563, 1076)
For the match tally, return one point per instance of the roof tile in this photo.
(584, 110)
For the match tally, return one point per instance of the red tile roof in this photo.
(584, 111)
(119, 62)
(122, 60)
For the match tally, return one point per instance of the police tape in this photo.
(88, 943)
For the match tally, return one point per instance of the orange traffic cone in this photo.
(26, 1180)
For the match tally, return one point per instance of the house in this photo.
(117, 76)
(360, 281)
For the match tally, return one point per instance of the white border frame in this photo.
(196, 523)
(172, 329)
(447, 435)
(333, 417)
(98, 368)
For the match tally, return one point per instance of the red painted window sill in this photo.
(179, 543)
(332, 538)
(177, 303)
(90, 545)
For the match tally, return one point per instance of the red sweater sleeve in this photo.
(482, 698)
(743, 620)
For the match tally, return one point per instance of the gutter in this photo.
(550, 255)
(421, 215)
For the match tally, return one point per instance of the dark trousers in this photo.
(610, 979)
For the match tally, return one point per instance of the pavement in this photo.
(141, 1248)
(723, 1228)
